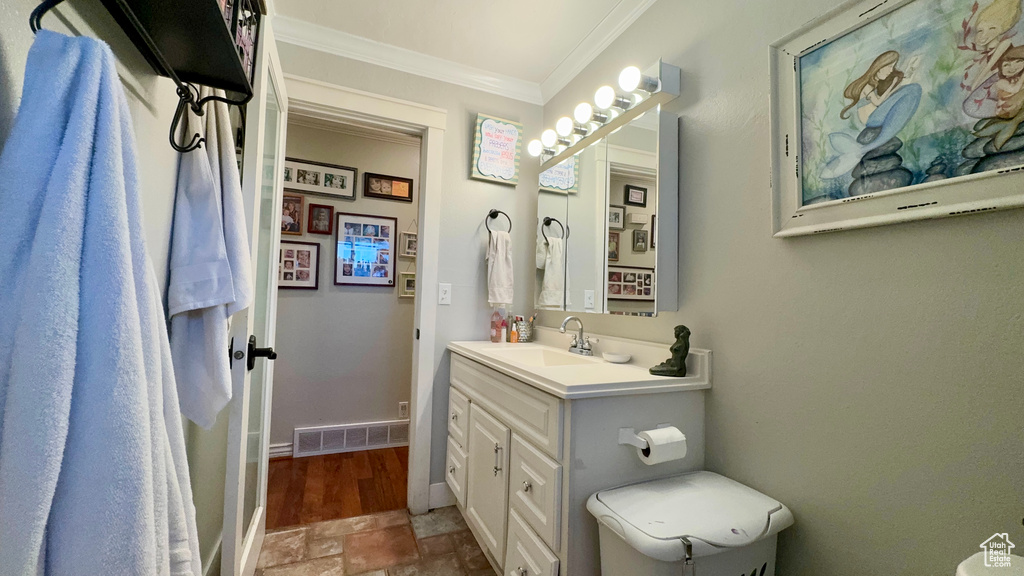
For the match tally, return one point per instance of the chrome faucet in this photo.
(580, 344)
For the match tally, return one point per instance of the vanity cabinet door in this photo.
(455, 471)
(487, 486)
(458, 408)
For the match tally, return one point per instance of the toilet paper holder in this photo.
(628, 436)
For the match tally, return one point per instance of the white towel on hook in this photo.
(211, 275)
(551, 258)
(499, 269)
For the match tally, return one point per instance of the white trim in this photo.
(214, 558)
(607, 31)
(357, 131)
(281, 450)
(316, 99)
(441, 496)
(324, 39)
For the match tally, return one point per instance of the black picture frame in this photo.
(285, 283)
(630, 191)
(385, 187)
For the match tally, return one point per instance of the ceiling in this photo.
(527, 49)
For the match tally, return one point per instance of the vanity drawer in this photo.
(455, 471)
(534, 415)
(527, 555)
(535, 490)
(458, 416)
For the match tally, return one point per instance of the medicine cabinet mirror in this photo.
(618, 223)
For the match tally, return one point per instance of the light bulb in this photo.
(535, 148)
(604, 97)
(548, 138)
(629, 78)
(564, 126)
(583, 113)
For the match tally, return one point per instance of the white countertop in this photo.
(585, 377)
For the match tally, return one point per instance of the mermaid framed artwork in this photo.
(890, 111)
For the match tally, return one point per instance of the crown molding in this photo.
(317, 37)
(601, 37)
(353, 130)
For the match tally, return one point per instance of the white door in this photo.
(245, 491)
(487, 485)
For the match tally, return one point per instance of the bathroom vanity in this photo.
(533, 432)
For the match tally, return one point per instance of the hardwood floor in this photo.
(317, 488)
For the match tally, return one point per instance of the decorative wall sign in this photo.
(299, 265)
(320, 178)
(630, 283)
(387, 187)
(365, 250)
(497, 148)
(321, 219)
(562, 178)
(292, 213)
(882, 112)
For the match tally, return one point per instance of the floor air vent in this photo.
(316, 440)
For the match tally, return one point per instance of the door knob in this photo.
(255, 353)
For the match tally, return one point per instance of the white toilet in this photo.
(717, 525)
(975, 566)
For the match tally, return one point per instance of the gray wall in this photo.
(151, 101)
(465, 202)
(869, 379)
(345, 352)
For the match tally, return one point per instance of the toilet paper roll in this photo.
(664, 445)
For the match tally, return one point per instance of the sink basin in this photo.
(542, 357)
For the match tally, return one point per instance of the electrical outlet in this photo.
(444, 294)
(403, 409)
(588, 299)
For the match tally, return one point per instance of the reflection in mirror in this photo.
(555, 184)
(632, 212)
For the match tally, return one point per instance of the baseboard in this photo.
(283, 450)
(440, 496)
(211, 567)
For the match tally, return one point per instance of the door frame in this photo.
(315, 99)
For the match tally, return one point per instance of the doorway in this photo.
(345, 322)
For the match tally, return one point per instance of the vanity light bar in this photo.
(613, 111)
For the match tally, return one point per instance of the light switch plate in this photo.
(444, 294)
(588, 299)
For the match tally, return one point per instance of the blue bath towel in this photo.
(93, 475)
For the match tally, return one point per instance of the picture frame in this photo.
(298, 265)
(640, 241)
(613, 246)
(408, 244)
(631, 283)
(616, 217)
(635, 196)
(497, 150)
(364, 250)
(320, 178)
(292, 213)
(387, 187)
(320, 220)
(654, 229)
(407, 285)
(936, 120)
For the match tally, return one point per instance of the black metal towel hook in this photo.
(494, 214)
(547, 222)
(188, 95)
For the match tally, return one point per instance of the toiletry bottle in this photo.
(496, 322)
(515, 334)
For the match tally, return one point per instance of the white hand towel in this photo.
(552, 290)
(211, 276)
(499, 269)
(93, 474)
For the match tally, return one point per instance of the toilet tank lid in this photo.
(710, 511)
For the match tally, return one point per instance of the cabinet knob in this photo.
(455, 417)
(527, 486)
(451, 470)
(521, 571)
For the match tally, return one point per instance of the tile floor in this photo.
(384, 544)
